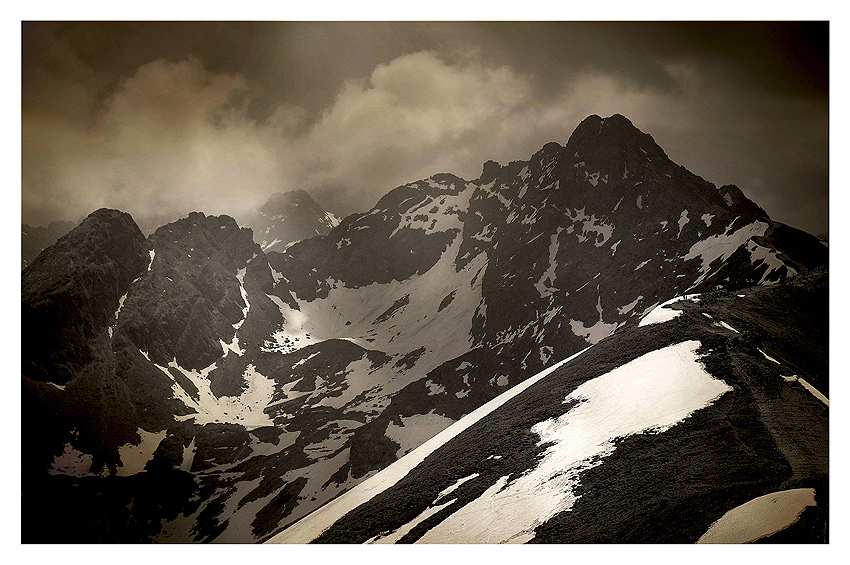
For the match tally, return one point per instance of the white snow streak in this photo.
(310, 527)
(769, 358)
(723, 324)
(647, 395)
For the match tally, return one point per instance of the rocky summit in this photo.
(288, 217)
(200, 385)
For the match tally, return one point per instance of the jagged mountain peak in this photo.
(71, 290)
(613, 141)
(280, 201)
(287, 217)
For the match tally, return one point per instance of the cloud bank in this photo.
(174, 136)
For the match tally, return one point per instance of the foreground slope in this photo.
(652, 435)
(260, 385)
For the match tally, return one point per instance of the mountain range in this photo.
(213, 383)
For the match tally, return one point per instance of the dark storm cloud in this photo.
(152, 117)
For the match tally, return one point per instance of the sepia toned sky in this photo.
(165, 118)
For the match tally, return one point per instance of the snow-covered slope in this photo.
(664, 433)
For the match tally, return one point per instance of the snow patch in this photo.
(546, 285)
(416, 430)
(683, 220)
(594, 333)
(247, 409)
(722, 246)
(662, 313)
(763, 255)
(135, 457)
(629, 307)
(71, 462)
(760, 517)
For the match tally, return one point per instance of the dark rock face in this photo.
(71, 291)
(274, 381)
(190, 297)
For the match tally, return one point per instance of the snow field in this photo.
(647, 395)
(444, 333)
(722, 246)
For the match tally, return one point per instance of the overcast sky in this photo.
(160, 118)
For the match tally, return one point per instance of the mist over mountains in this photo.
(222, 381)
